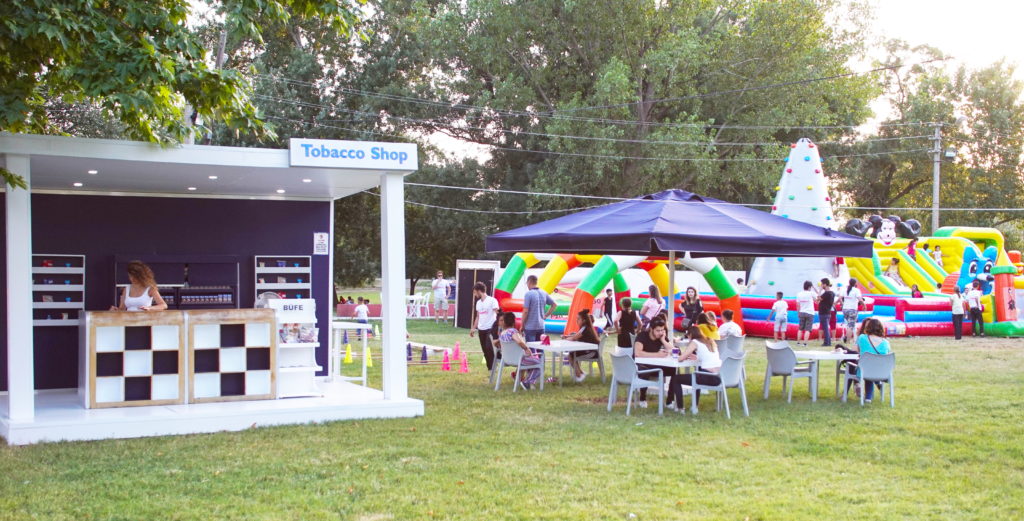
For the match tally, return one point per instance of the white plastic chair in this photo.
(624, 372)
(732, 345)
(731, 377)
(512, 355)
(599, 358)
(782, 362)
(873, 369)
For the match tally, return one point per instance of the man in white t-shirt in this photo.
(974, 303)
(485, 320)
(440, 287)
(780, 310)
(728, 327)
(805, 311)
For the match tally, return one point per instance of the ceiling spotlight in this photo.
(93, 172)
(307, 180)
(192, 189)
(280, 190)
(76, 185)
(213, 177)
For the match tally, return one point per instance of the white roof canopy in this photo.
(57, 163)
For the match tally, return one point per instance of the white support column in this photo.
(20, 370)
(332, 368)
(392, 249)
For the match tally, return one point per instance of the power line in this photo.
(489, 212)
(535, 114)
(750, 89)
(618, 157)
(564, 136)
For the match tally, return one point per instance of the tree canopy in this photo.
(138, 61)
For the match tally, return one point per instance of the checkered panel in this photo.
(137, 365)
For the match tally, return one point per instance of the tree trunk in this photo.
(412, 285)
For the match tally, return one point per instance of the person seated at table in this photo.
(708, 361)
(509, 333)
(728, 327)
(871, 340)
(654, 342)
(586, 334)
(708, 325)
(626, 322)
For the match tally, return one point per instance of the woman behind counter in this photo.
(142, 294)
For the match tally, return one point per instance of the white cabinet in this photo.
(290, 276)
(58, 289)
(298, 340)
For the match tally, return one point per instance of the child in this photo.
(362, 314)
(728, 327)
(781, 311)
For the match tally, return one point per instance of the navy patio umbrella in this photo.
(678, 221)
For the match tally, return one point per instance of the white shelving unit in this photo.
(297, 343)
(59, 278)
(290, 276)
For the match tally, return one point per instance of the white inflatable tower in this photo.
(802, 195)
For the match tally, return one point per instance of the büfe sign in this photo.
(294, 310)
(352, 154)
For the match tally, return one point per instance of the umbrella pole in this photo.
(671, 292)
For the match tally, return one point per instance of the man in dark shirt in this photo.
(608, 298)
(826, 301)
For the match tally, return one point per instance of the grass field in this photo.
(951, 449)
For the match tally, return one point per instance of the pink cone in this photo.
(446, 364)
(458, 351)
(464, 364)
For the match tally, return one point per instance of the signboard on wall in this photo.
(364, 155)
(321, 243)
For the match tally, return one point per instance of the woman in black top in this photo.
(586, 334)
(626, 323)
(691, 307)
(653, 342)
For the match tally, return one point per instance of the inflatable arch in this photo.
(608, 268)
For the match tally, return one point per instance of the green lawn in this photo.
(952, 449)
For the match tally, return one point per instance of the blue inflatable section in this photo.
(885, 311)
(928, 316)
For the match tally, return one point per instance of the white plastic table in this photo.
(334, 361)
(560, 347)
(668, 361)
(818, 356)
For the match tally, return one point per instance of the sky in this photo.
(975, 33)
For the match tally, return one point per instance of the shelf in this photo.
(55, 322)
(287, 269)
(297, 369)
(58, 287)
(58, 305)
(288, 285)
(297, 345)
(42, 270)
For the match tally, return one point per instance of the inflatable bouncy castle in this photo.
(965, 255)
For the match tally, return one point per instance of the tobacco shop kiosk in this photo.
(240, 241)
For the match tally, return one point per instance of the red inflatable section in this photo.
(921, 304)
(764, 328)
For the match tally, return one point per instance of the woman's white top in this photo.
(957, 303)
(851, 300)
(136, 303)
(706, 358)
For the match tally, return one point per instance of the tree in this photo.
(989, 170)
(137, 60)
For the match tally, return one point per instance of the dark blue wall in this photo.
(101, 227)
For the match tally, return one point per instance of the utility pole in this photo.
(936, 168)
